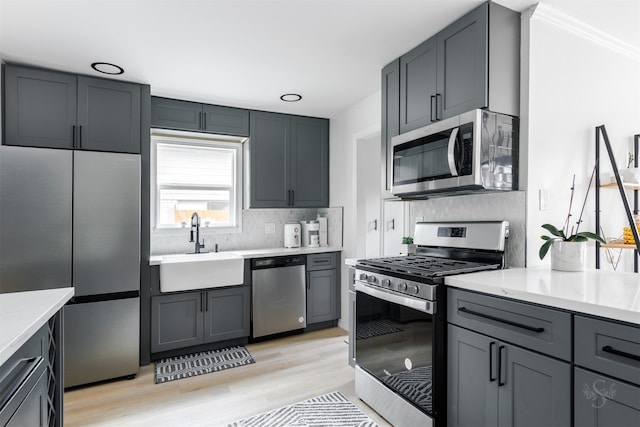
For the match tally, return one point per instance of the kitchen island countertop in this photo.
(22, 314)
(268, 252)
(612, 295)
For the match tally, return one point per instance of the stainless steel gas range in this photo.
(400, 318)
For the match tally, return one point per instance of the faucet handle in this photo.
(202, 245)
(191, 236)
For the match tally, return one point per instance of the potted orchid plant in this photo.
(407, 247)
(567, 244)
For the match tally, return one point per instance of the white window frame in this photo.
(195, 139)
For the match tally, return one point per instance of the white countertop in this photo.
(607, 294)
(259, 253)
(22, 314)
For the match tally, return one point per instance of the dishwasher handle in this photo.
(275, 262)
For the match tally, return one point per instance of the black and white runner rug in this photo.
(332, 409)
(175, 368)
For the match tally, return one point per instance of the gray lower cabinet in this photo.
(193, 116)
(288, 161)
(31, 387)
(606, 373)
(192, 318)
(323, 288)
(50, 109)
(491, 382)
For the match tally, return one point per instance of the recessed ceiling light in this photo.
(291, 97)
(106, 68)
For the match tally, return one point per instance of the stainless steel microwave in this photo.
(475, 151)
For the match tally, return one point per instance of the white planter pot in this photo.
(407, 249)
(568, 256)
(630, 175)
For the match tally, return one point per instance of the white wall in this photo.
(574, 79)
(361, 120)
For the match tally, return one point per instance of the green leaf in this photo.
(588, 235)
(545, 248)
(545, 237)
(553, 230)
(577, 238)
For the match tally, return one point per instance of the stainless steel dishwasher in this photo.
(278, 295)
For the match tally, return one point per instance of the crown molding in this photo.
(568, 23)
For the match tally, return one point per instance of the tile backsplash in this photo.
(509, 206)
(253, 235)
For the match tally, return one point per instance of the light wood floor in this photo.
(286, 371)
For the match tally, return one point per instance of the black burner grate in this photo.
(427, 266)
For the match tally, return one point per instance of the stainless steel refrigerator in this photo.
(72, 218)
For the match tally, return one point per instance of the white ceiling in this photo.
(247, 53)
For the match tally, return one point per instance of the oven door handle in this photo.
(451, 152)
(424, 306)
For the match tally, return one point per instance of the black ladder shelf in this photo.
(600, 130)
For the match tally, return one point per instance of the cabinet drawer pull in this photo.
(500, 382)
(497, 319)
(491, 377)
(609, 349)
(433, 98)
(322, 261)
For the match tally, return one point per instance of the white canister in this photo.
(292, 235)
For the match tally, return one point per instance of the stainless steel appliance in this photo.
(292, 235)
(400, 318)
(474, 151)
(72, 218)
(278, 295)
(310, 233)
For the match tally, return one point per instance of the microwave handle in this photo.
(451, 151)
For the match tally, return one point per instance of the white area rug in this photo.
(332, 409)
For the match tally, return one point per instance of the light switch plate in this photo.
(269, 227)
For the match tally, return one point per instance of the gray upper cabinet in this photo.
(288, 161)
(462, 65)
(39, 107)
(418, 86)
(108, 115)
(58, 110)
(472, 63)
(192, 116)
(309, 162)
(390, 117)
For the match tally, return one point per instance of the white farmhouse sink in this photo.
(198, 271)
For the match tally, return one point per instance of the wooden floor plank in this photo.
(287, 370)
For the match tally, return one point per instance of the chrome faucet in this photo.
(195, 224)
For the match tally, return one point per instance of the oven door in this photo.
(394, 342)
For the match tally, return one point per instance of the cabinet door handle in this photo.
(497, 319)
(491, 377)
(500, 382)
(80, 136)
(433, 98)
(200, 120)
(204, 121)
(438, 97)
(609, 349)
(73, 136)
(201, 302)
(391, 225)
(293, 197)
(206, 301)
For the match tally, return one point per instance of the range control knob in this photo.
(413, 289)
(386, 283)
(373, 279)
(402, 287)
(363, 276)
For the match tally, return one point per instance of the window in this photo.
(196, 174)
